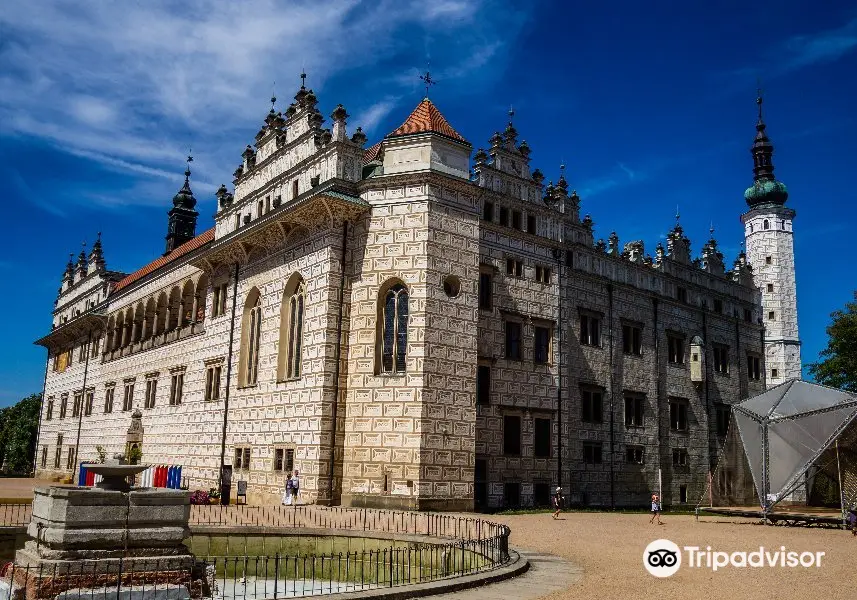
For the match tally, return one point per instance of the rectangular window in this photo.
(108, 399)
(504, 216)
(531, 224)
(49, 411)
(543, 274)
(721, 359)
(681, 294)
(680, 457)
(718, 306)
(675, 349)
(514, 267)
(722, 414)
(632, 339)
(488, 211)
(128, 398)
(512, 435)
(635, 455)
(590, 330)
(176, 389)
(284, 459)
(151, 392)
(516, 219)
(770, 287)
(678, 414)
(513, 340)
(771, 316)
(635, 405)
(69, 461)
(512, 494)
(44, 460)
(485, 291)
(592, 453)
(542, 341)
(78, 404)
(58, 451)
(242, 459)
(768, 260)
(591, 410)
(542, 438)
(754, 367)
(63, 405)
(748, 315)
(774, 374)
(218, 304)
(483, 385)
(541, 493)
(90, 399)
(212, 382)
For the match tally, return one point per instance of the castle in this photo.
(409, 328)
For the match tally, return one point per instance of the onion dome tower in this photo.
(182, 221)
(770, 252)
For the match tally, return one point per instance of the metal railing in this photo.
(433, 546)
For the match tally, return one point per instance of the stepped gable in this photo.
(426, 118)
(189, 246)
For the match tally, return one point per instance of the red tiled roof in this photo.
(371, 153)
(189, 246)
(427, 118)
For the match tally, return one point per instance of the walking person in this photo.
(296, 486)
(558, 501)
(287, 493)
(656, 509)
(852, 519)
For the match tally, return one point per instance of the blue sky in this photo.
(650, 105)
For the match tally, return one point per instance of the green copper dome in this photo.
(766, 191)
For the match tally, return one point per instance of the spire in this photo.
(81, 259)
(765, 189)
(182, 218)
(69, 267)
(511, 134)
(562, 184)
(96, 255)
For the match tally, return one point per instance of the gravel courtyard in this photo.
(609, 548)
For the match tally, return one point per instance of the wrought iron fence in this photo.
(442, 546)
(15, 515)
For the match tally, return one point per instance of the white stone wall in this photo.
(771, 253)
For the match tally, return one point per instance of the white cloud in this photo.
(132, 85)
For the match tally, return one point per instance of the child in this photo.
(296, 486)
(656, 509)
(557, 502)
(287, 494)
(852, 519)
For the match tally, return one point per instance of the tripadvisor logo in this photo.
(663, 558)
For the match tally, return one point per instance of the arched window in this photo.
(292, 328)
(251, 324)
(766, 225)
(394, 329)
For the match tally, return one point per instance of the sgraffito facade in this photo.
(406, 326)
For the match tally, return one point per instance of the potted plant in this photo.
(214, 495)
(199, 497)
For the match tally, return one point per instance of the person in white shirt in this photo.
(296, 486)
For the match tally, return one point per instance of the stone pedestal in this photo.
(88, 538)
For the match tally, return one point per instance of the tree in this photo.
(838, 367)
(18, 427)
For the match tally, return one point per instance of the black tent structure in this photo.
(790, 454)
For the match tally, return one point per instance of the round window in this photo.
(452, 286)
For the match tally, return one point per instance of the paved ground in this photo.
(21, 487)
(608, 548)
(548, 574)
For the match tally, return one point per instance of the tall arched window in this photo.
(394, 329)
(251, 323)
(766, 224)
(292, 328)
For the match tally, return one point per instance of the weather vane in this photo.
(188, 161)
(428, 81)
(303, 78)
(273, 95)
(511, 113)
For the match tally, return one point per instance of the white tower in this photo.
(770, 251)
